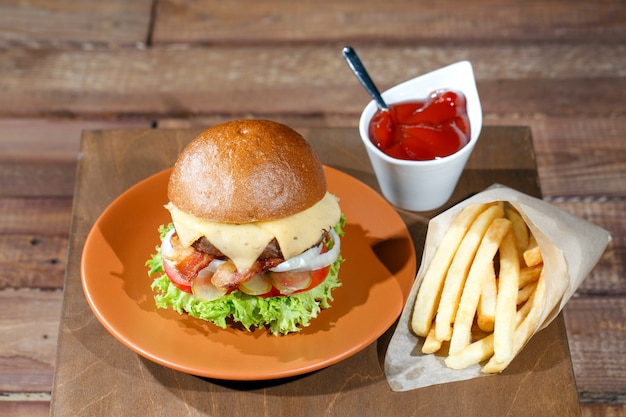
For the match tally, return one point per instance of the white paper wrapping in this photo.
(570, 248)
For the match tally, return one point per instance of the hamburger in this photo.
(254, 239)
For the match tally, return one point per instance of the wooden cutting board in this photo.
(97, 376)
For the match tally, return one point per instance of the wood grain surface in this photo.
(555, 66)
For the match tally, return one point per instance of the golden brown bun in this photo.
(245, 171)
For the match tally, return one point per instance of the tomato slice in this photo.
(180, 281)
(317, 277)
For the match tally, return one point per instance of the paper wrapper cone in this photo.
(570, 248)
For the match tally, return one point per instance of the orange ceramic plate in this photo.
(377, 275)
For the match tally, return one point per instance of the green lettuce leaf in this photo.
(282, 315)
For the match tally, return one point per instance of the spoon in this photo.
(361, 73)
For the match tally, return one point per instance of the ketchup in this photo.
(422, 130)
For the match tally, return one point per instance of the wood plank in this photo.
(576, 156)
(25, 408)
(37, 179)
(32, 261)
(597, 338)
(42, 140)
(293, 120)
(35, 216)
(552, 80)
(603, 410)
(28, 338)
(607, 278)
(186, 21)
(51, 140)
(38, 156)
(87, 24)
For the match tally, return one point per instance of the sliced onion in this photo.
(166, 244)
(311, 259)
(204, 290)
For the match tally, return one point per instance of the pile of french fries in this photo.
(483, 293)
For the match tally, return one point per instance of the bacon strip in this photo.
(192, 264)
(187, 261)
(229, 278)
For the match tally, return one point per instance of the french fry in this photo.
(477, 352)
(482, 349)
(466, 311)
(523, 310)
(524, 330)
(525, 292)
(486, 310)
(486, 306)
(506, 304)
(430, 289)
(431, 344)
(532, 254)
(457, 274)
(529, 274)
(520, 230)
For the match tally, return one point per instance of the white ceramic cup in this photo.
(424, 185)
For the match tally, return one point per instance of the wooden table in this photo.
(98, 376)
(556, 66)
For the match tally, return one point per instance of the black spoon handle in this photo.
(361, 73)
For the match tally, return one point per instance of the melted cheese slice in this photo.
(243, 243)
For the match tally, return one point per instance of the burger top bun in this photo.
(246, 171)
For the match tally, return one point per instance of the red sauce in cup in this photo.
(422, 130)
